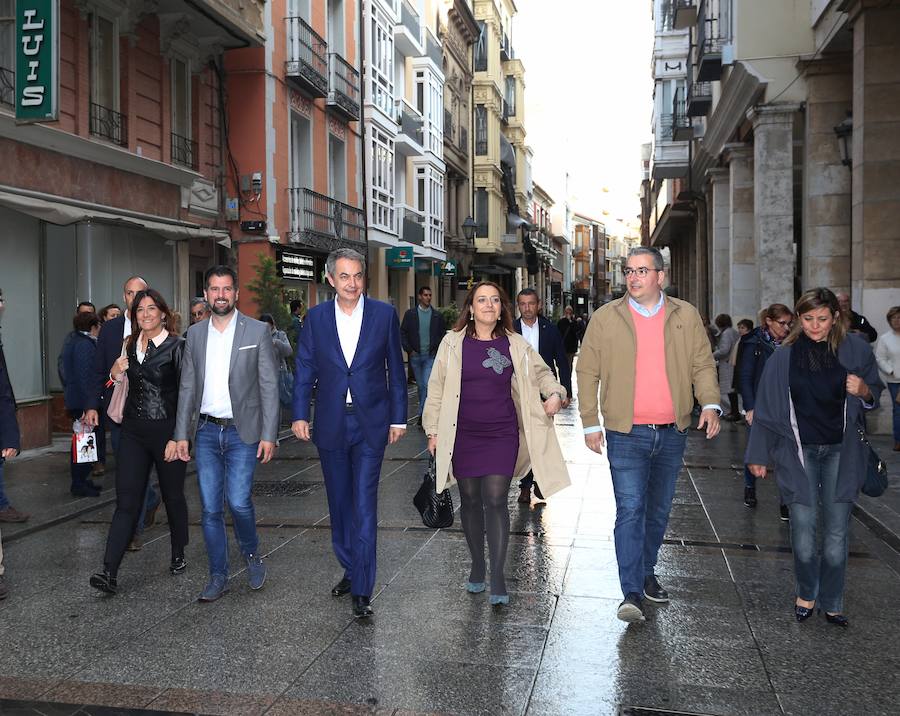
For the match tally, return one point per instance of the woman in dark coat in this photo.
(807, 421)
(78, 364)
(755, 348)
(152, 362)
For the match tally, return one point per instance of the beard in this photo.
(222, 310)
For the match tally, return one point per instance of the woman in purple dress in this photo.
(489, 417)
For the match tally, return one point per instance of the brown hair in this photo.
(773, 313)
(892, 312)
(167, 318)
(464, 322)
(811, 301)
(85, 321)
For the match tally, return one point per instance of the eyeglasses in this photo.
(640, 271)
(785, 324)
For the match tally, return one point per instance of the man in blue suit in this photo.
(546, 339)
(349, 350)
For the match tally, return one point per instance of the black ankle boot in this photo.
(104, 582)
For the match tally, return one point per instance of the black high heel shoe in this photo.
(837, 619)
(803, 613)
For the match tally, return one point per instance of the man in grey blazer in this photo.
(228, 403)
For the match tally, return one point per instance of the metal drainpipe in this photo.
(362, 124)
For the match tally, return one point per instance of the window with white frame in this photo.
(430, 102)
(105, 120)
(381, 165)
(381, 65)
(429, 200)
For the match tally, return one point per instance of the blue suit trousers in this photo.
(351, 481)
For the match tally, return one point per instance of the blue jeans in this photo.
(644, 465)
(4, 500)
(351, 482)
(820, 578)
(894, 388)
(421, 366)
(225, 467)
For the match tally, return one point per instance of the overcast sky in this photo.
(588, 99)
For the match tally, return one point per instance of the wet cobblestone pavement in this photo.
(726, 644)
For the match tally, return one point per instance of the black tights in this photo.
(484, 507)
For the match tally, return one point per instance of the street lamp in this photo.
(844, 132)
(469, 227)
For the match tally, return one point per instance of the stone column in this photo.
(825, 250)
(773, 200)
(720, 239)
(875, 270)
(744, 272)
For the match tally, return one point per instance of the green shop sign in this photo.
(400, 257)
(37, 60)
(445, 268)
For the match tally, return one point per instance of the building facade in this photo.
(118, 171)
(787, 123)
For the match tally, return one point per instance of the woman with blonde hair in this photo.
(489, 417)
(808, 422)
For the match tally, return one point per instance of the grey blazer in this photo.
(252, 381)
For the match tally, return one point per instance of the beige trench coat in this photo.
(538, 447)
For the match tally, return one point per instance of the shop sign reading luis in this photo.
(37, 60)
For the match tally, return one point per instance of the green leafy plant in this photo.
(268, 290)
(450, 313)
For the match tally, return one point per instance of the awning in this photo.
(63, 214)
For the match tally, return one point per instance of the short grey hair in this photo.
(658, 262)
(200, 301)
(351, 254)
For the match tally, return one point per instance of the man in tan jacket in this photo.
(650, 356)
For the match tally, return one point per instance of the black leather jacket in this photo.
(153, 384)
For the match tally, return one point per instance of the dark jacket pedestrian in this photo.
(9, 439)
(409, 331)
(552, 350)
(571, 332)
(808, 422)
(80, 392)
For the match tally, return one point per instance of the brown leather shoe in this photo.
(11, 514)
(525, 496)
(136, 544)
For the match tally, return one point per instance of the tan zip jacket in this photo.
(608, 356)
(538, 447)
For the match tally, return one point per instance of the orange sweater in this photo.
(652, 394)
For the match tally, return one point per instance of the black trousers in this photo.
(142, 444)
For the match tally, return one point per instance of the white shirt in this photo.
(156, 340)
(127, 331)
(531, 333)
(348, 329)
(216, 400)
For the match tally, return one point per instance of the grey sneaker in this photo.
(630, 609)
(654, 591)
(216, 588)
(256, 571)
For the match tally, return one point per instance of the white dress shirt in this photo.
(216, 400)
(127, 330)
(348, 330)
(156, 340)
(531, 333)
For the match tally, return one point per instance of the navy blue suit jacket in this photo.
(376, 378)
(109, 348)
(552, 350)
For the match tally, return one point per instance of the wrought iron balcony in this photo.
(324, 223)
(184, 152)
(108, 124)
(682, 128)
(699, 99)
(307, 63)
(7, 87)
(709, 45)
(343, 95)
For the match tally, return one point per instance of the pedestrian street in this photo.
(727, 643)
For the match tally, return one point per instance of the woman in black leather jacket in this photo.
(153, 364)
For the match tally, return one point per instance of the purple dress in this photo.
(487, 428)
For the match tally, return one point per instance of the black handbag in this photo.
(876, 481)
(436, 509)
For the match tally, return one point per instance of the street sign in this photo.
(295, 265)
(400, 257)
(465, 283)
(445, 268)
(37, 60)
